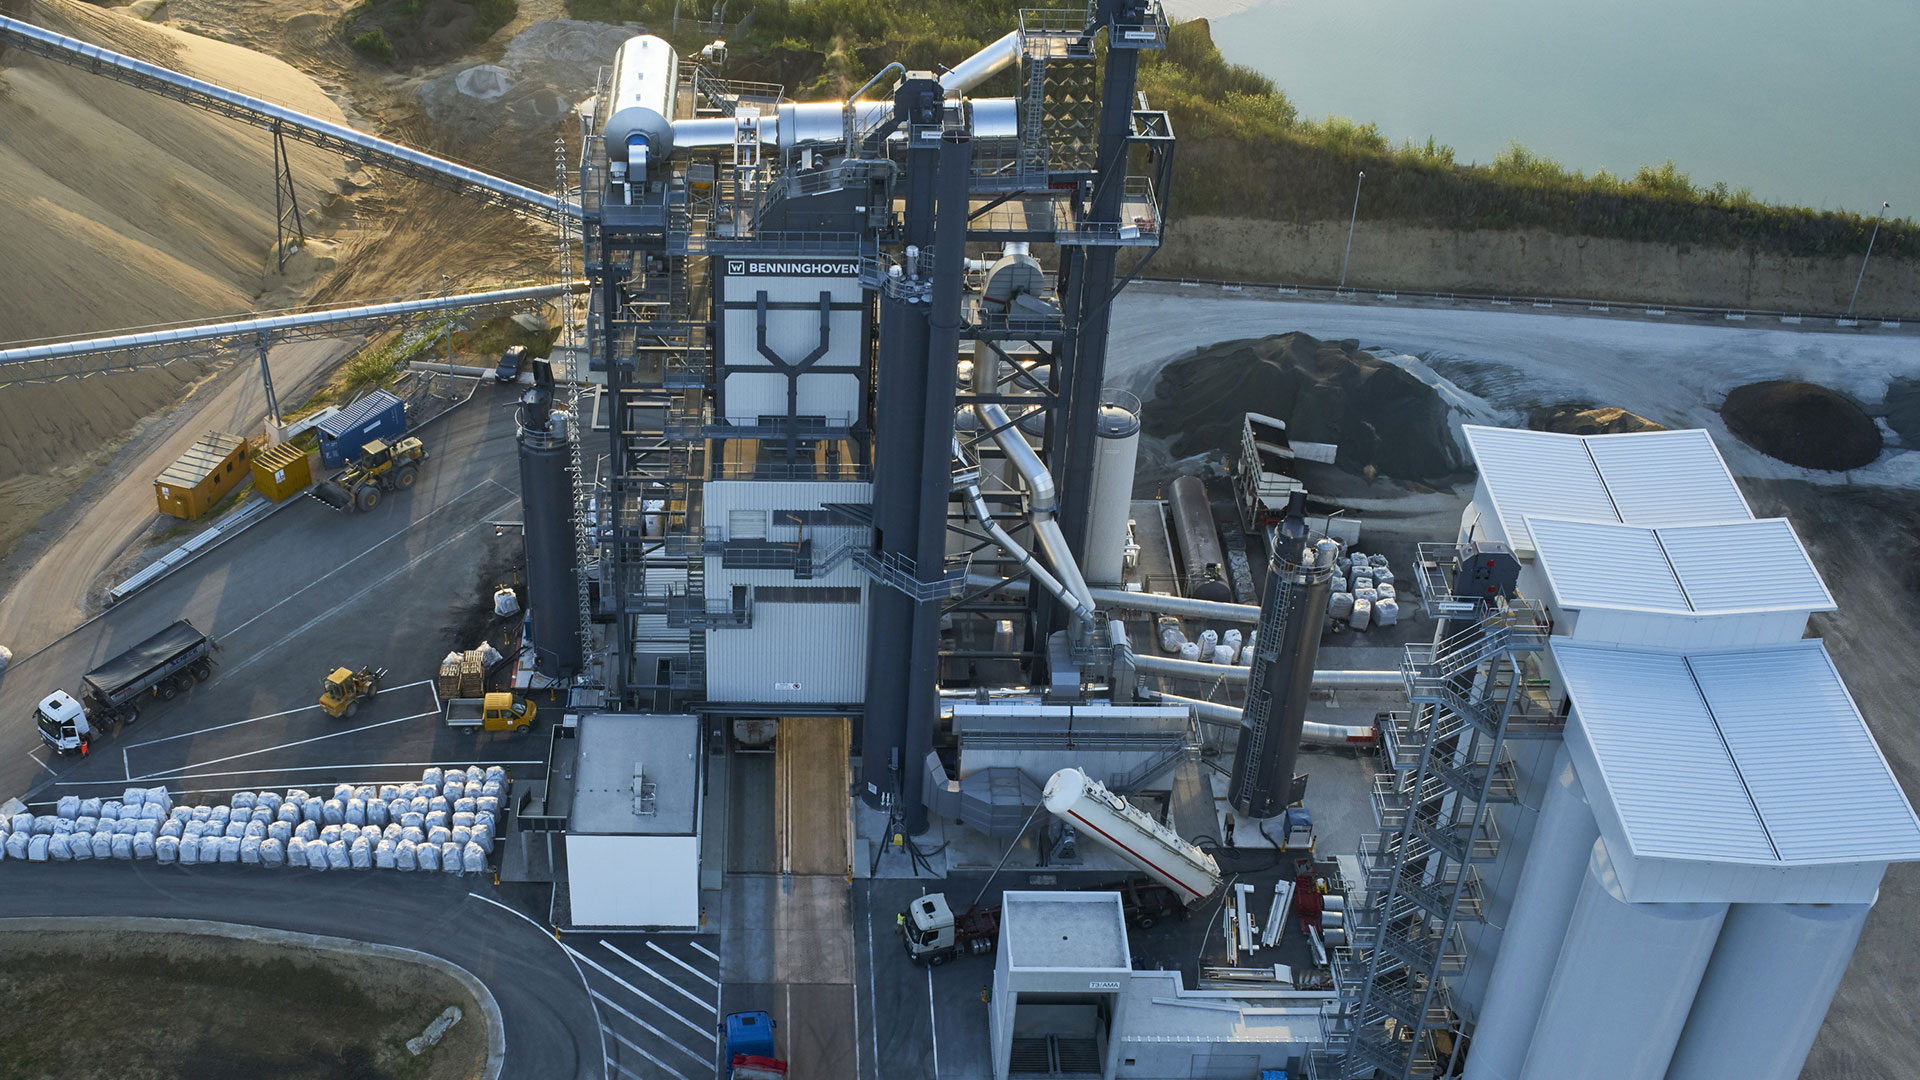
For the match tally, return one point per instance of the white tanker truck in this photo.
(934, 933)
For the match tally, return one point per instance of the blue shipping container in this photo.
(346, 433)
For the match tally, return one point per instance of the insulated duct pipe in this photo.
(1043, 501)
(1021, 555)
(1212, 712)
(1323, 679)
(1186, 606)
(983, 65)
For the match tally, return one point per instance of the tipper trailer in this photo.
(165, 665)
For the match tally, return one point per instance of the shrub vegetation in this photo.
(1244, 149)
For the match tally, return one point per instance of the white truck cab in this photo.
(63, 723)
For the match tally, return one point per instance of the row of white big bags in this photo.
(447, 822)
(1363, 593)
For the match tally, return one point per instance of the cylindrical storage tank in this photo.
(1117, 428)
(546, 498)
(1292, 612)
(1199, 539)
(1623, 984)
(1543, 901)
(1106, 818)
(1766, 991)
(640, 108)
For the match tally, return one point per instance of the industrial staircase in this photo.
(1448, 766)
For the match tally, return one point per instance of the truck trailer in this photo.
(165, 665)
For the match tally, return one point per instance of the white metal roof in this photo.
(1643, 478)
(1751, 756)
(1723, 568)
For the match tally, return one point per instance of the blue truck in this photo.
(750, 1050)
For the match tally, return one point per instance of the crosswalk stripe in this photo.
(706, 952)
(661, 1035)
(675, 987)
(694, 971)
(624, 1071)
(705, 1033)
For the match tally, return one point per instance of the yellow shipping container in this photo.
(283, 471)
(212, 467)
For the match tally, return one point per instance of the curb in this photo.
(496, 1027)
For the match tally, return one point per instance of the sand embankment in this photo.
(1529, 262)
(124, 209)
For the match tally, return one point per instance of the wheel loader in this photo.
(382, 467)
(344, 689)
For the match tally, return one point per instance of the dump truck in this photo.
(344, 689)
(165, 665)
(493, 712)
(383, 467)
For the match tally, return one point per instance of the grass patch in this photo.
(1245, 151)
(374, 44)
(494, 337)
(421, 31)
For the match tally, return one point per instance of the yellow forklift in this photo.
(345, 688)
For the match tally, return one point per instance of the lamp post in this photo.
(1884, 207)
(1350, 222)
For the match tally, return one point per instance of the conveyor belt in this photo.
(312, 130)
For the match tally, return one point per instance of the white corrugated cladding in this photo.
(1667, 477)
(1751, 755)
(1537, 474)
(1643, 478)
(1666, 769)
(1745, 566)
(1595, 564)
(806, 644)
(1821, 784)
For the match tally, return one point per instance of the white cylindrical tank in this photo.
(1623, 984)
(1766, 991)
(1550, 881)
(640, 108)
(1116, 453)
(1108, 819)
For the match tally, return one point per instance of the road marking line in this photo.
(257, 719)
(370, 550)
(624, 1071)
(40, 763)
(704, 951)
(661, 1035)
(604, 1059)
(643, 995)
(184, 769)
(694, 971)
(371, 587)
(933, 1024)
(873, 993)
(675, 987)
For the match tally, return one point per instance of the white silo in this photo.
(1543, 903)
(1116, 452)
(1766, 991)
(1623, 984)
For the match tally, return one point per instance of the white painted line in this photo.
(663, 980)
(635, 1047)
(789, 1023)
(371, 587)
(270, 716)
(933, 1025)
(642, 995)
(299, 769)
(691, 970)
(370, 550)
(704, 951)
(873, 993)
(604, 1059)
(37, 761)
(661, 1035)
(184, 769)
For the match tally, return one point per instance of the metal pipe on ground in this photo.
(1323, 679)
(1212, 712)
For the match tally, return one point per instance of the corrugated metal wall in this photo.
(804, 653)
(792, 334)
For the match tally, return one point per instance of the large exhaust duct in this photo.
(1323, 679)
(1292, 613)
(978, 503)
(983, 65)
(1314, 734)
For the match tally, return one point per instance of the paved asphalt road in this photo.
(298, 594)
(550, 1026)
(51, 596)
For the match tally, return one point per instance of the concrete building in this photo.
(629, 788)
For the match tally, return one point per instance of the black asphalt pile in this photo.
(1803, 424)
(1326, 391)
(1579, 418)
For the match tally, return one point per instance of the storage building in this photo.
(282, 471)
(379, 415)
(202, 476)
